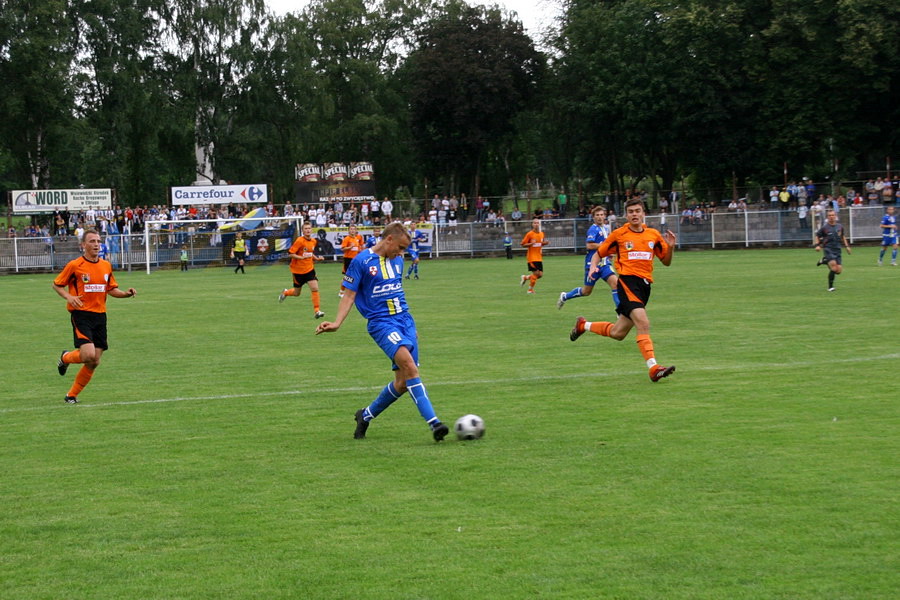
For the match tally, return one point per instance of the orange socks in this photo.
(81, 379)
(646, 346)
(72, 357)
(315, 300)
(601, 328)
(292, 292)
(532, 280)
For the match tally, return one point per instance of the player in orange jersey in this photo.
(84, 284)
(535, 241)
(634, 245)
(302, 266)
(351, 245)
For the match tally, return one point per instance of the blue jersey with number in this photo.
(596, 234)
(377, 282)
(889, 234)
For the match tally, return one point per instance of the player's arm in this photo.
(846, 243)
(63, 291)
(670, 238)
(526, 241)
(117, 293)
(343, 310)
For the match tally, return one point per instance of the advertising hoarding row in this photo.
(73, 200)
(200, 195)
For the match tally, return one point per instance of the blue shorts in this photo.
(413, 254)
(391, 334)
(888, 240)
(604, 273)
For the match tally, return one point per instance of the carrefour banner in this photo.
(220, 194)
(41, 201)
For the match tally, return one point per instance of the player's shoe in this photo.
(530, 291)
(578, 330)
(70, 400)
(879, 263)
(439, 432)
(361, 425)
(893, 264)
(319, 314)
(659, 371)
(60, 365)
(416, 276)
(407, 277)
(562, 300)
(820, 262)
(522, 280)
(340, 294)
(281, 296)
(831, 289)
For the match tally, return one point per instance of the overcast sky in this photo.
(536, 15)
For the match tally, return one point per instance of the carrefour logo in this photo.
(253, 194)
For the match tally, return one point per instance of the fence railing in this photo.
(206, 248)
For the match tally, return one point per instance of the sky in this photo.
(536, 15)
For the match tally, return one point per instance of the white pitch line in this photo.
(434, 384)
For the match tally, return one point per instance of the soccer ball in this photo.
(469, 427)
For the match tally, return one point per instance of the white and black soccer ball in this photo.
(469, 427)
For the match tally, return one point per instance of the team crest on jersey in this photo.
(629, 245)
(85, 277)
(373, 271)
(650, 244)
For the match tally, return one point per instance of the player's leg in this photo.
(884, 248)
(586, 289)
(613, 281)
(894, 255)
(645, 345)
(316, 301)
(834, 268)
(407, 375)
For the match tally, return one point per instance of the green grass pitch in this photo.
(212, 454)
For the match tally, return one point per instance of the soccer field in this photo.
(212, 454)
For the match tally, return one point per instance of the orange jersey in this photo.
(90, 280)
(634, 251)
(349, 242)
(534, 253)
(304, 248)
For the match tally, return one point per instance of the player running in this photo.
(374, 282)
(596, 234)
(831, 236)
(888, 236)
(84, 284)
(416, 238)
(634, 246)
(352, 244)
(303, 269)
(535, 241)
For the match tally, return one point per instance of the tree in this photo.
(471, 73)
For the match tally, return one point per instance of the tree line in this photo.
(443, 97)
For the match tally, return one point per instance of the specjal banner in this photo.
(332, 182)
(199, 195)
(43, 201)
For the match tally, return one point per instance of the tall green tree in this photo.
(37, 48)
(472, 71)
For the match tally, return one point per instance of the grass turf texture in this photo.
(212, 454)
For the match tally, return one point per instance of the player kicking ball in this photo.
(374, 283)
(634, 245)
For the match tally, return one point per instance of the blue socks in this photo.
(389, 394)
(420, 397)
(576, 293)
(384, 399)
(615, 295)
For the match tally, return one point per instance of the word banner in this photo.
(43, 201)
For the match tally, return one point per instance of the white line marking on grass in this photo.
(433, 384)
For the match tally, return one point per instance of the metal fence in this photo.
(717, 230)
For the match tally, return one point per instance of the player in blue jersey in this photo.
(596, 234)
(374, 282)
(888, 236)
(416, 238)
(374, 238)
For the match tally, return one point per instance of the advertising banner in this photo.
(199, 195)
(42, 201)
(332, 182)
(329, 238)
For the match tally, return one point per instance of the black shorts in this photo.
(301, 278)
(536, 266)
(240, 255)
(89, 328)
(634, 292)
(347, 262)
(831, 255)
